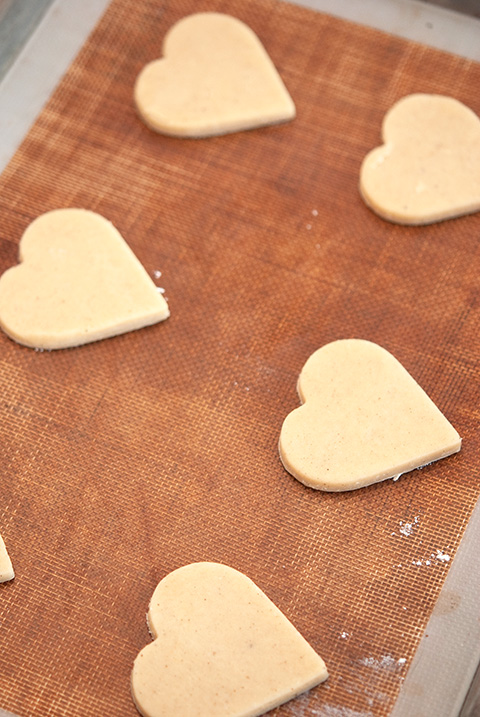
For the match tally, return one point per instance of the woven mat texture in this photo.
(125, 459)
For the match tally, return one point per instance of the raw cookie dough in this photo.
(428, 168)
(221, 649)
(6, 568)
(78, 281)
(364, 419)
(215, 78)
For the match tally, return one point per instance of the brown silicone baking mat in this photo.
(125, 459)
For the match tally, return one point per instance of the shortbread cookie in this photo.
(428, 168)
(215, 77)
(6, 568)
(364, 419)
(221, 649)
(78, 281)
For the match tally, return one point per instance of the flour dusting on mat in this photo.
(386, 662)
(333, 711)
(421, 562)
(408, 528)
(439, 555)
(327, 711)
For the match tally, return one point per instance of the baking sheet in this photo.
(128, 458)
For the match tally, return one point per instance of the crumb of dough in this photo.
(428, 168)
(215, 77)
(6, 567)
(364, 419)
(78, 281)
(221, 647)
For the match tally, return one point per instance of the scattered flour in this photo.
(371, 695)
(333, 711)
(344, 635)
(157, 274)
(439, 555)
(386, 662)
(408, 528)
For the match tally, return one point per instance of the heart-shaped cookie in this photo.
(215, 77)
(6, 568)
(221, 649)
(428, 168)
(364, 419)
(78, 281)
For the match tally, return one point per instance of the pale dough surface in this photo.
(78, 281)
(6, 568)
(215, 77)
(428, 168)
(221, 649)
(364, 419)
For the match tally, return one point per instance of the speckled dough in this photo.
(428, 168)
(6, 568)
(364, 419)
(215, 77)
(78, 281)
(221, 649)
